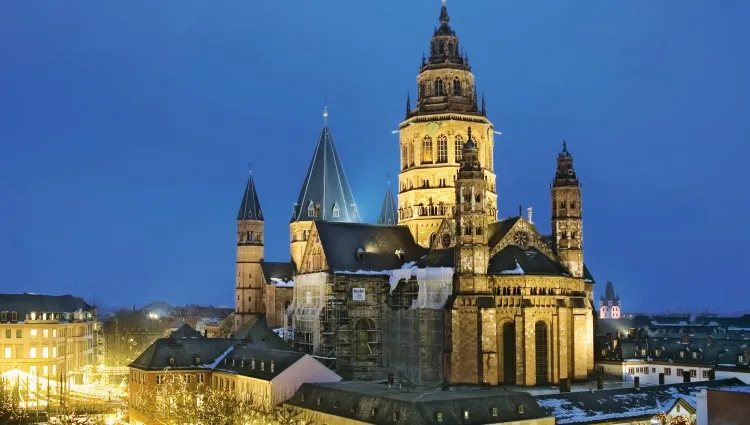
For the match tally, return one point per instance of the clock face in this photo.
(432, 128)
(570, 172)
(521, 239)
(446, 240)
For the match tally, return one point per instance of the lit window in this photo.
(33, 333)
(33, 316)
(45, 333)
(45, 370)
(427, 149)
(45, 352)
(682, 354)
(459, 146)
(495, 411)
(54, 333)
(54, 352)
(442, 147)
(8, 352)
(740, 358)
(466, 414)
(32, 352)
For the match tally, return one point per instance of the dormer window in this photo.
(335, 212)
(262, 365)
(33, 316)
(495, 411)
(466, 414)
(272, 364)
(740, 358)
(695, 354)
(360, 253)
(439, 417)
(400, 254)
(520, 409)
(252, 363)
(171, 360)
(311, 210)
(643, 352)
(197, 360)
(682, 354)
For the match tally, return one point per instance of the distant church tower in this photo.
(567, 220)
(325, 194)
(249, 257)
(433, 133)
(609, 303)
(471, 345)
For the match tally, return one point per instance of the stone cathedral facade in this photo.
(439, 290)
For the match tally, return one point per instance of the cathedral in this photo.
(439, 290)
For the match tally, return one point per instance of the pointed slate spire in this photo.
(325, 193)
(565, 174)
(408, 105)
(484, 107)
(388, 211)
(250, 206)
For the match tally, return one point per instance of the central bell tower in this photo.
(433, 134)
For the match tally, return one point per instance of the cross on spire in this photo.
(325, 110)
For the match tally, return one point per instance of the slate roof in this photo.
(531, 260)
(438, 258)
(250, 205)
(257, 333)
(375, 403)
(698, 351)
(597, 406)
(184, 352)
(278, 270)
(498, 229)
(240, 361)
(341, 240)
(26, 303)
(388, 215)
(185, 331)
(326, 186)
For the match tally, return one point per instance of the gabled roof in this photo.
(325, 187)
(498, 229)
(620, 404)
(185, 331)
(185, 353)
(279, 271)
(256, 333)
(342, 240)
(530, 261)
(240, 361)
(388, 213)
(26, 303)
(368, 402)
(250, 205)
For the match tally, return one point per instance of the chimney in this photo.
(661, 379)
(637, 382)
(685, 376)
(528, 211)
(599, 383)
(565, 385)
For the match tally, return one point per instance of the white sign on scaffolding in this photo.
(358, 294)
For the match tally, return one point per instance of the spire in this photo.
(408, 106)
(250, 206)
(565, 175)
(444, 18)
(325, 193)
(484, 107)
(388, 211)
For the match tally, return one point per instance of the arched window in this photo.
(421, 90)
(451, 48)
(509, 352)
(573, 204)
(456, 87)
(311, 210)
(410, 153)
(439, 87)
(404, 156)
(441, 47)
(459, 148)
(442, 148)
(541, 337)
(364, 338)
(335, 212)
(427, 149)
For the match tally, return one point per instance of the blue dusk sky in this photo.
(126, 130)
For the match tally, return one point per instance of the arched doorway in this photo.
(509, 353)
(541, 336)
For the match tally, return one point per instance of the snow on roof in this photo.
(742, 389)
(280, 283)
(518, 270)
(218, 359)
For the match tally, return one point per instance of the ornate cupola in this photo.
(445, 80)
